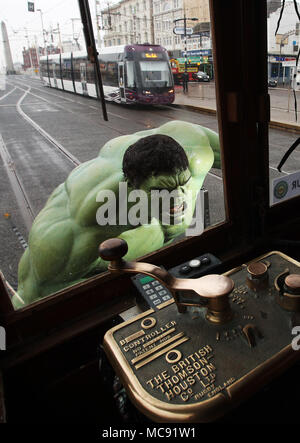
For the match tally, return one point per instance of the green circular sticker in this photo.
(281, 189)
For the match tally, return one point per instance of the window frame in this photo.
(243, 116)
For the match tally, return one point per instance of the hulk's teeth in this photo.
(176, 209)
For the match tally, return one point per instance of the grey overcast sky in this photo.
(21, 23)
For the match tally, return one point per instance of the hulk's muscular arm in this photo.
(64, 239)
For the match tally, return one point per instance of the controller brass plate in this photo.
(182, 368)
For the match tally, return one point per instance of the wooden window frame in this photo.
(239, 28)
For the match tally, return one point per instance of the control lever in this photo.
(213, 290)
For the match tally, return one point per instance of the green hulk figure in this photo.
(65, 236)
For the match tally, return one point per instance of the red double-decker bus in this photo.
(178, 68)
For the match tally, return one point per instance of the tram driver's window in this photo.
(130, 74)
(78, 180)
(284, 91)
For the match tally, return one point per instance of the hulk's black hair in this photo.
(153, 155)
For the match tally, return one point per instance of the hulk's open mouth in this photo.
(178, 209)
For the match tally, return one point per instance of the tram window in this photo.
(130, 74)
(192, 161)
(76, 67)
(90, 74)
(66, 69)
(57, 69)
(109, 72)
(155, 73)
(43, 69)
(112, 74)
(284, 92)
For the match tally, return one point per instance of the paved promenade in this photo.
(201, 96)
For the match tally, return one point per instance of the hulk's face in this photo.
(170, 194)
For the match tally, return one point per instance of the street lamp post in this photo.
(57, 31)
(185, 36)
(73, 33)
(97, 23)
(45, 50)
(29, 51)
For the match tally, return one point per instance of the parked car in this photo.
(201, 76)
(272, 82)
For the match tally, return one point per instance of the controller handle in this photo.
(213, 289)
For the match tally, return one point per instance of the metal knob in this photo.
(113, 249)
(216, 289)
(257, 269)
(292, 284)
(288, 287)
(257, 277)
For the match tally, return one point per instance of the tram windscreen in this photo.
(155, 74)
(284, 94)
(77, 193)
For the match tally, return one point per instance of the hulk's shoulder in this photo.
(185, 133)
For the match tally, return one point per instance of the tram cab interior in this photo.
(54, 369)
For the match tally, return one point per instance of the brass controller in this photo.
(218, 341)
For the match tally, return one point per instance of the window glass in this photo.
(130, 74)
(66, 69)
(90, 72)
(155, 74)
(78, 181)
(43, 68)
(284, 92)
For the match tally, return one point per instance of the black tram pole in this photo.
(185, 46)
(91, 49)
(185, 35)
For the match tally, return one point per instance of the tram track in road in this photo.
(38, 128)
(79, 101)
(45, 134)
(147, 125)
(20, 85)
(146, 122)
(8, 93)
(130, 116)
(155, 111)
(16, 162)
(85, 103)
(21, 196)
(76, 102)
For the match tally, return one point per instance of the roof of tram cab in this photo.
(105, 50)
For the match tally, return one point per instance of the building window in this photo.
(157, 7)
(166, 6)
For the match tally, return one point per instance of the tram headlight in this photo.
(170, 91)
(147, 92)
